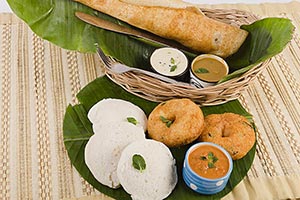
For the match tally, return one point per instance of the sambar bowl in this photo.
(201, 183)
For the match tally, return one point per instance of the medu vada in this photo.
(176, 122)
(231, 131)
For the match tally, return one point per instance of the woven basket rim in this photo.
(156, 90)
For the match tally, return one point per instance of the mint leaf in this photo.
(210, 155)
(172, 61)
(202, 158)
(211, 158)
(166, 121)
(211, 165)
(138, 162)
(132, 120)
(173, 68)
(201, 71)
(215, 159)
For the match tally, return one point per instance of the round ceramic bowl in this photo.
(170, 62)
(207, 69)
(199, 183)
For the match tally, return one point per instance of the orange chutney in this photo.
(209, 162)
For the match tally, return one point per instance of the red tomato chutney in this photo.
(208, 162)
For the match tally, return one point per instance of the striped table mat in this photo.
(38, 80)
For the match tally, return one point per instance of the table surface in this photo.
(38, 80)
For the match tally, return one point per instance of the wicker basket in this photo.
(156, 90)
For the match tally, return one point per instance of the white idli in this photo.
(116, 110)
(102, 152)
(159, 177)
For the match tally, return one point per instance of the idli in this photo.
(102, 152)
(117, 110)
(147, 170)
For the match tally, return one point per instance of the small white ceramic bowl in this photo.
(169, 62)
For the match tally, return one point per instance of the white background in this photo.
(5, 8)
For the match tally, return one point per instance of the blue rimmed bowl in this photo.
(201, 184)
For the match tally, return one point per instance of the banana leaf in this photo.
(54, 21)
(77, 130)
(267, 38)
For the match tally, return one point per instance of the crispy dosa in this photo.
(164, 3)
(187, 26)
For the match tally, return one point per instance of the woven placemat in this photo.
(38, 80)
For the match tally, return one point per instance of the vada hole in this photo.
(225, 133)
(173, 119)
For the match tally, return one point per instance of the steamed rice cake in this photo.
(102, 152)
(116, 110)
(159, 177)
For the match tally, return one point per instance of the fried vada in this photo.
(176, 122)
(231, 131)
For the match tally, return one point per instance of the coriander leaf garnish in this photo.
(210, 165)
(173, 68)
(138, 162)
(173, 65)
(132, 120)
(215, 159)
(203, 158)
(172, 60)
(210, 155)
(211, 159)
(201, 71)
(166, 121)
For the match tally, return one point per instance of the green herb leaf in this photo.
(163, 119)
(215, 159)
(212, 159)
(210, 155)
(211, 165)
(166, 121)
(169, 123)
(172, 61)
(132, 120)
(138, 162)
(173, 68)
(202, 71)
(202, 158)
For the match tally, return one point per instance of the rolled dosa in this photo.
(187, 26)
(164, 3)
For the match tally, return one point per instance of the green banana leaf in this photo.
(54, 21)
(267, 38)
(77, 130)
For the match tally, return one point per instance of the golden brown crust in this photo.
(231, 131)
(184, 25)
(164, 3)
(187, 123)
